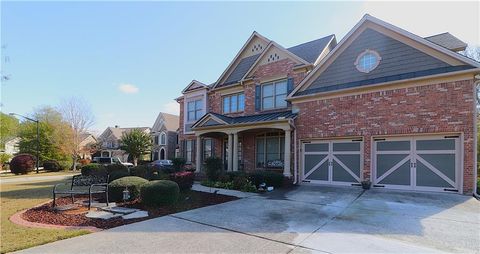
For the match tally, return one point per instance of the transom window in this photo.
(274, 95)
(194, 110)
(367, 61)
(270, 150)
(234, 103)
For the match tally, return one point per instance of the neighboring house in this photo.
(88, 141)
(110, 144)
(11, 146)
(164, 135)
(383, 105)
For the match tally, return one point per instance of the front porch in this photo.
(246, 143)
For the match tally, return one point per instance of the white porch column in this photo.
(198, 154)
(230, 148)
(286, 156)
(235, 151)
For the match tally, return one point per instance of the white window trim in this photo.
(160, 139)
(365, 52)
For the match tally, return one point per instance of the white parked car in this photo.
(111, 160)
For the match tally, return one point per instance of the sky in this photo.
(130, 60)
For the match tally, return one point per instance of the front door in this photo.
(332, 161)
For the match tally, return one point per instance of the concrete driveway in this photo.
(308, 219)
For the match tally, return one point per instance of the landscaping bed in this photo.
(76, 217)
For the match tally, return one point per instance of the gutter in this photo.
(475, 141)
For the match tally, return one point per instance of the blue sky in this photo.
(129, 60)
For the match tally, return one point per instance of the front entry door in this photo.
(333, 162)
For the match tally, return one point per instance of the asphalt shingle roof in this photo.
(308, 51)
(448, 41)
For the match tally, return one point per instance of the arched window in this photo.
(163, 139)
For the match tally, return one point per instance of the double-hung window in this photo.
(163, 139)
(270, 150)
(194, 110)
(274, 95)
(233, 103)
(207, 148)
(189, 151)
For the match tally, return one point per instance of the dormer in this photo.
(194, 104)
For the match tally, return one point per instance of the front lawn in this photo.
(19, 196)
(41, 173)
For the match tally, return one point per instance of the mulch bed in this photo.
(47, 215)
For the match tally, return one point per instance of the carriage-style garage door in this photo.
(332, 162)
(418, 163)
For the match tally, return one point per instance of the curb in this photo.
(17, 219)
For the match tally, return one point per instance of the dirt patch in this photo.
(76, 217)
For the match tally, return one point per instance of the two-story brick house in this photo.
(383, 104)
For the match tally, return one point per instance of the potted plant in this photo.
(366, 184)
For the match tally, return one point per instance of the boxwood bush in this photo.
(51, 165)
(93, 169)
(271, 178)
(132, 183)
(117, 175)
(213, 168)
(116, 168)
(160, 192)
(22, 164)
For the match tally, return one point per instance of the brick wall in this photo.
(435, 108)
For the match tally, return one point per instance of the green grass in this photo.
(19, 196)
(41, 173)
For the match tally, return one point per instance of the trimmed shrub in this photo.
(132, 183)
(233, 174)
(22, 164)
(93, 169)
(65, 165)
(116, 168)
(160, 192)
(213, 168)
(117, 175)
(51, 165)
(271, 178)
(178, 164)
(183, 179)
(143, 171)
(224, 178)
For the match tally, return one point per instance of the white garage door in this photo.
(417, 163)
(332, 162)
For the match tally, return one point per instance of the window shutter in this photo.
(213, 148)
(289, 88)
(258, 97)
(194, 151)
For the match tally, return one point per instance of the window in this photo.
(367, 61)
(155, 140)
(163, 139)
(274, 95)
(270, 150)
(207, 148)
(194, 110)
(234, 103)
(189, 151)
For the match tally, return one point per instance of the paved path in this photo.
(306, 220)
(19, 179)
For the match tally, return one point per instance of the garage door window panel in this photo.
(314, 163)
(346, 147)
(401, 176)
(316, 147)
(427, 178)
(445, 144)
(393, 146)
(350, 161)
(319, 174)
(340, 174)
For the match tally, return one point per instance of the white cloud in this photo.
(128, 88)
(429, 18)
(171, 108)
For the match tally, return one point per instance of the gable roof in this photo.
(118, 132)
(454, 59)
(194, 85)
(171, 122)
(307, 53)
(448, 41)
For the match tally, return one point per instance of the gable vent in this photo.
(257, 47)
(273, 57)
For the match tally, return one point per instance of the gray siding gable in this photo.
(397, 59)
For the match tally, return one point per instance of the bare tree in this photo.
(78, 114)
(474, 53)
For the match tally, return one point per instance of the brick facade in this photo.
(428, 109)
